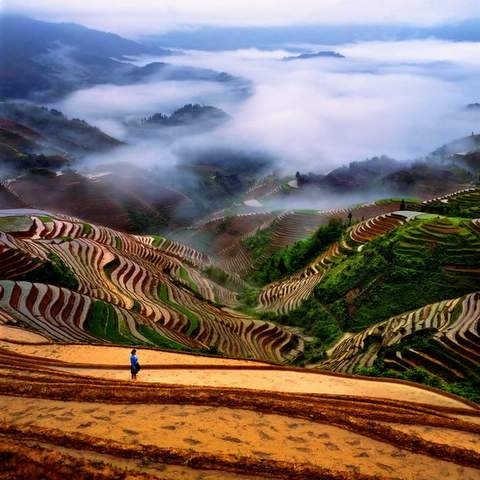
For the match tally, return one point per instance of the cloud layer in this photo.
(401, 99)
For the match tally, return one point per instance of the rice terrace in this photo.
(239, 240)
(60, 354)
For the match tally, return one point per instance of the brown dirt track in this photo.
(65, 412)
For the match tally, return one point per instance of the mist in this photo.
(401, 99)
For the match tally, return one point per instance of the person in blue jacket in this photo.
(134, 364)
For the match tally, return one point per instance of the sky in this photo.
(138, 17)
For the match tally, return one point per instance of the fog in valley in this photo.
(402, 99)
(396, 85)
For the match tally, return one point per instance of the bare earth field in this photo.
(71, 410)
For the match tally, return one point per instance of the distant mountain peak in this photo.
(321, 54)
(189, 114)
(473, 106)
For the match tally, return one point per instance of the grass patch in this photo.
(294, 257)
(162, 293)
(52, 272)
(87, 229)
(219, 276)
(137, 306)
(160, 340)
(157, 240)
(102, 321)
(15, 224)
(465, 205)
(186, 277)
(400, 271)
(258, 243)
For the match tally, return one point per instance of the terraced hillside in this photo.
(464, 203)
(287, 294)
(68, 411)
(382, 267)
(75, 281)
(441, 339)
(221, 237)
(239, 242)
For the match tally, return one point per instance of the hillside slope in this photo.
(441, 339)
(49, 131)
(391, 278)
(43, 60)
(33, 52)
(76, 281)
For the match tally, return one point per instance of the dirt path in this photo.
(282, 381)
(159, 367)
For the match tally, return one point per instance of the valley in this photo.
(288, 236)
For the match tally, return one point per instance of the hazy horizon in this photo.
(143, 17)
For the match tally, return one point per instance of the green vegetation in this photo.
(448, 372)
(418, 375)
(316, 320)
(248, 297)
(111, 266)
(137, 306)
(258, 243)
(52, 272)
(186, 277)
(314, 352)
(14, 224)
(219, 276)
(103, 322)
(292, 258)
(16, 154)
(142, 222)
(400, 271)
(424, 261)
(160, 340)
(157, 240)
(162, 292)
(44, 172)
(465, 205)
(87, 229)
(216, 274)
(410, 203)
(163, 296)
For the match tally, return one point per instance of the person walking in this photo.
(134, 364)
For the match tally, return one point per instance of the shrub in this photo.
(294, 257)
(52, 272)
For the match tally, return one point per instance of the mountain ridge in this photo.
(46, 61)
(232, 38)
